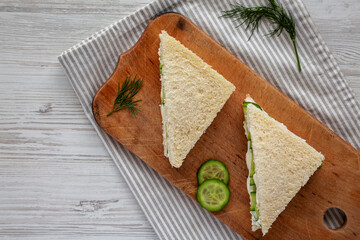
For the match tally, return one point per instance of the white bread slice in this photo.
(283, 162)
(193, 95)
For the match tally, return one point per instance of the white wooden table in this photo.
(56, 179)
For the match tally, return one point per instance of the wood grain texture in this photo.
(51, 159)
(225, 138)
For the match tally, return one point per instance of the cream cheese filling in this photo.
(256, 222)
(163, 110)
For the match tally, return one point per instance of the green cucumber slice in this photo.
(253, 209)
(213, 169)
(160, 67)
(252, 188)
(213, 195)
(252, 166)
(252, 182)
(162, 95)
(253, 201)
(257, 213)
(247, 103)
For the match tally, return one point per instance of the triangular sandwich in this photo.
(192, 93)
(279, 164)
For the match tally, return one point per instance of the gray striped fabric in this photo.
(320, 88)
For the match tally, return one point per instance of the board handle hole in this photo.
(334, 218)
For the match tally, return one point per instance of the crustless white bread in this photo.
(283, 163)
(192, 94)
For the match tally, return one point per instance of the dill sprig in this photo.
(125, 96)
(251, 17)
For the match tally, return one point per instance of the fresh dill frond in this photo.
(275, 13)
(125, 95)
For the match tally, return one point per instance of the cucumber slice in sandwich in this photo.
(279, 163)
(253, 201)
(252, 182)
(192, 95)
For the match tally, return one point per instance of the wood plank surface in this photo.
(56, 179)
(225, 138)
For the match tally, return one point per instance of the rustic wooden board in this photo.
(336, 184)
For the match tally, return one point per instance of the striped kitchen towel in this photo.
(320, 88)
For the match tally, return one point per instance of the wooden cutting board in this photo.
(336, 184)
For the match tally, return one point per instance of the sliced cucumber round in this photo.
(213, 169)
(213, 195)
